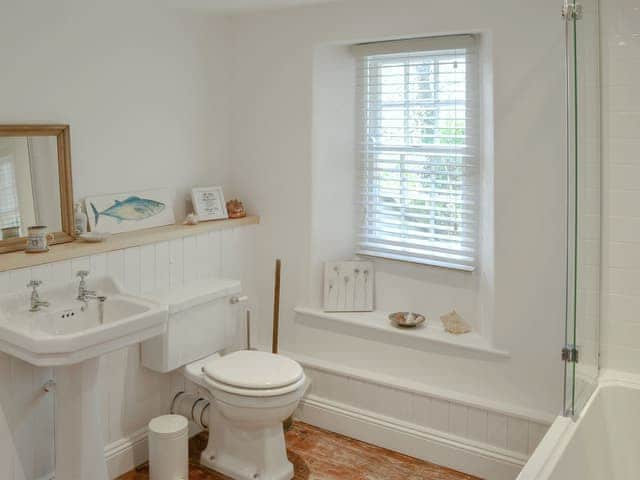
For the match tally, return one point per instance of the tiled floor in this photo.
(321, 455)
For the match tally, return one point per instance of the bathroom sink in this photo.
(68, 331)
(71, 335)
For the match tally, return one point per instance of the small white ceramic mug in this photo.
(38, 239)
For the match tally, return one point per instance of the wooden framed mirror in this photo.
(35, 183)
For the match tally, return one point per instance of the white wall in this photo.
(143, 88)
(131, 395)
(620, 47)
(273, 147)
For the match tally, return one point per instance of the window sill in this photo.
(376, 326)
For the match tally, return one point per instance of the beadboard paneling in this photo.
(131, 394)
(484, 442)
(501, 430)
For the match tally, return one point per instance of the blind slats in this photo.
(414, 250)
(418, 166)
(442, 225)
(417, 235)
(385, 209)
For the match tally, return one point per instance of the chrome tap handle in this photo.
(35, 301)
(82, 286)
(34, 284)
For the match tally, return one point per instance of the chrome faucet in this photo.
(84, 294)
(36, 303)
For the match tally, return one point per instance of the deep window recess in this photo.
(418, 108)
(9, 210)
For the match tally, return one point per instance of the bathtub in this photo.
(603, 443)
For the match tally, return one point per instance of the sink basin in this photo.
(70, 336)
(65, 333)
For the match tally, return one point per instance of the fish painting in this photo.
(132, 209)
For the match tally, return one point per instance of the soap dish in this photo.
(407, 319)
(94, 237)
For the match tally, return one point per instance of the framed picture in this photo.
(208, 203)
(126, 212)
(348, 286)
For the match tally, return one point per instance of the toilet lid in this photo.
(254, 370)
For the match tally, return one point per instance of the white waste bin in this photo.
(169, 448)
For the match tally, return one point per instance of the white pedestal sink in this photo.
(71, 339)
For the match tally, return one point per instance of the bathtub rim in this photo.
(546, 456)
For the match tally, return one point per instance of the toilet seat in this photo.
(254, 392)
(254, 374)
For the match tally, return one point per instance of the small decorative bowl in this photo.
(407, 319)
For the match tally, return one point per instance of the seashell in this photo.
(454, 323)
(235, 209)
(192, 219)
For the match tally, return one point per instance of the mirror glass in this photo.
(29, 185)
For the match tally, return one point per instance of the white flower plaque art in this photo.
(348, 286)
(208, 203)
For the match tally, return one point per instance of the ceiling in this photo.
(239, 6)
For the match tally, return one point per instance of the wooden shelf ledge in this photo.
(120, 241)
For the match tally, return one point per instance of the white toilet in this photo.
(251, 392)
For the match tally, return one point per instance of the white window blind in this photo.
(9, 208)
(419, 143)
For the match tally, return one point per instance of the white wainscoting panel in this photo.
(131, 394)
(485, 442)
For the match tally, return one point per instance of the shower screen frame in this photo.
(582, 314)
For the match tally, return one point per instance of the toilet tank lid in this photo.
(196, 293)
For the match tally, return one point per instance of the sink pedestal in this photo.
(79, 444)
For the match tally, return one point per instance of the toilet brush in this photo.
(276, 325)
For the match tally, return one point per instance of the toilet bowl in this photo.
(252, 394)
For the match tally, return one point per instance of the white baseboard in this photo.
(127, 453)
(440, 448)
(476, 458)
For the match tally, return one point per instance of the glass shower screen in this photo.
(581, 352)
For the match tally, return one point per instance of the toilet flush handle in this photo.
(236, 300)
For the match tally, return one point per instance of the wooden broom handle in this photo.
(276, 307)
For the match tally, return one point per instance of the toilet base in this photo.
(246, 454)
